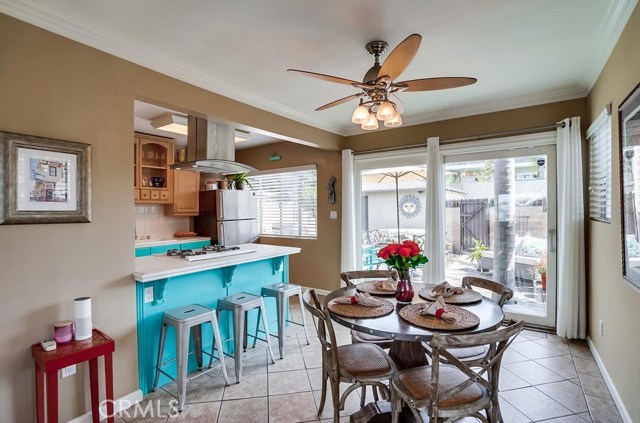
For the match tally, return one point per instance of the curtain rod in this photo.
(522, 131)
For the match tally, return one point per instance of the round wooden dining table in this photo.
(407, 350)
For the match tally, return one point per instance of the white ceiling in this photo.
(522, 52)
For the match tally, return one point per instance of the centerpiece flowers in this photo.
(402, 258)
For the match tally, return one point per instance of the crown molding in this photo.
(482, 108)
(112, 43)
(608, 35)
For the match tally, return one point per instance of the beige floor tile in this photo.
(567, 419)
(533, 373)
(579, 348)
(116, 419)
(586, 417)
(250, 386)
(603, 410)
(511, 414)
(567, 394)
(352, 404)
(531, 335)
(554, 344)
(586, 366)
(288, 382)
(292, 408)
(512, 356)
(534, 404)
(562, 365)
(253, 410)
(315, 378)
(595, 385)
(291, 362)
(211, 390)
(508, 381)
(312, 359)
(205, 412)
(148, 412)
(533, 350)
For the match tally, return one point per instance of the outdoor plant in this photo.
(542, 266)
(476, 253)
(403, 257)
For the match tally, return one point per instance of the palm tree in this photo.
(504, 225)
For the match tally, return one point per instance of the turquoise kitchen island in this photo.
(165, 282)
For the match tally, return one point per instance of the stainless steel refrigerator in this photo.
(229, 217)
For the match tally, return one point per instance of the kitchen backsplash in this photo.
(150, 221)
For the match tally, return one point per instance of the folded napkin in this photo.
(361, 298)
(445, 290)
(388, 286)
(436, 308)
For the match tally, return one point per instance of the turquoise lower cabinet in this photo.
(143, 252)
(205, 288)
(194, 245)
(161, 249)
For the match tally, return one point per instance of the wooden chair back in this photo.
(324, 327)
(368, 274)
(504, 292)
(498, 341)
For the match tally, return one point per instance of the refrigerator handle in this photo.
(220, 206)
(221, 240)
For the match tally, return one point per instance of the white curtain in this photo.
(349, 236)
(434, 213)
(572, 313)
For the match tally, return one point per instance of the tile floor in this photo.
(544, 378)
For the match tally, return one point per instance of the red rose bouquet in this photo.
(402, 257)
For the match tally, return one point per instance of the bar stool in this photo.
(184, 320)
(239, 305)
(282, 291)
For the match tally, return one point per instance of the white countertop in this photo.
(160, 266)
(153, 242)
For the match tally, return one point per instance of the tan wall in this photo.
(318, 265)
(610, 298)
(54, 87)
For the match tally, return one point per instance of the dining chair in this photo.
(347, 278)
(473, 355)
(360, 364)
(455, 389)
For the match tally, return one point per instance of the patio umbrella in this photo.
(405, 173)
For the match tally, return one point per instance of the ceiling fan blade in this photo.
(401, 56)
(396, 100)
(433, 84)
(324, 77)
(340, 101)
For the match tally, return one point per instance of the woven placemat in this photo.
(411, 314)
(370, 287)
(355, 310)
(467, 297)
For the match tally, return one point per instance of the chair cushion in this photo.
(362, 359)
(368, 337)
(469, 353)
(417, 381)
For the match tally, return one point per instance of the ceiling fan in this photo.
(377, 98)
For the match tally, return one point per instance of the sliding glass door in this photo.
(500, 225)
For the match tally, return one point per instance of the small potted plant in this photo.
(476, 254)
(240, 180)
(541, 268)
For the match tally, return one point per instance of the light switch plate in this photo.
(148, 294)
(333, 214)
(68, 371)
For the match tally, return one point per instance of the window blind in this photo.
(287, 202)
(599, 135)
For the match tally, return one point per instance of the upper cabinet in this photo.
(153, 180)
(186, 186)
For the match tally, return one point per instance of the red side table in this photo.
(64, 355)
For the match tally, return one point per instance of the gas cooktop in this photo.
(208, 252)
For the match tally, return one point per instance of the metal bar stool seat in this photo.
(282, 291)
(239, 305)
(185, 320)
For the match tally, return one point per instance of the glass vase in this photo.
(404, 287)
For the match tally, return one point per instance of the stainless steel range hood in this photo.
(211, 149)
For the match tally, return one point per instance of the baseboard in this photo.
(626, 418)
(119, 405)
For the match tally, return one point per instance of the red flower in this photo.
(384, 253)
(405, 251)
(392, 248)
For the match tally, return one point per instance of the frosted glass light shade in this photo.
(394, 121)
(360, 115)
(385, 111)
(371, 124)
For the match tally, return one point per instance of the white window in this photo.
(599, 135)
(287, 201)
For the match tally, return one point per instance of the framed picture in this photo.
(44, 180)
(629, 135)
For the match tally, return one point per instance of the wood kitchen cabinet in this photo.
(153, 179)
(186, 198)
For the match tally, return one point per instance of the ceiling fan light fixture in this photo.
(371, 124)
(360, 115)
(385, 111)
(394, 122)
